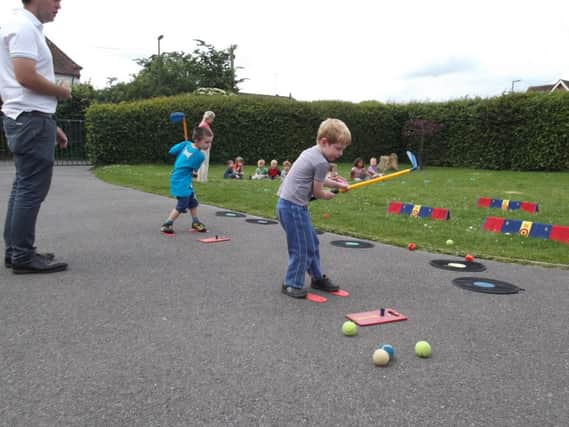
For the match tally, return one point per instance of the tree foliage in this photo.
(173, 73)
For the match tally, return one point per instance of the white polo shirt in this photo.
(22, 37)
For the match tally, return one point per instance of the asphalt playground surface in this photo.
(150, 330)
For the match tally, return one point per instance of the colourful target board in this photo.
(507, 205)
(418, 211)
(537, 230)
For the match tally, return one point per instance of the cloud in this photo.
(451, 65)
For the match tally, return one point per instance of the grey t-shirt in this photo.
(310, 166)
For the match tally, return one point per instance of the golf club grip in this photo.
(378, 179)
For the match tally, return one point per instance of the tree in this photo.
(421, 128)
(173, 73)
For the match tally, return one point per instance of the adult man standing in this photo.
(29, 95)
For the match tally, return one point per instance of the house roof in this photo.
(62, 63)
(542, 88)
(560, 85)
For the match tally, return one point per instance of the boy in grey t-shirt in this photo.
(306, 179)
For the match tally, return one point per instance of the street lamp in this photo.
(160, 37)
(514, 82)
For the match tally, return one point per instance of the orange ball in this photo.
(326, 215)
(469, 258)
(411, 246)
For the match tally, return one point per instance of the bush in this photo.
(248, 126)
(520, 131)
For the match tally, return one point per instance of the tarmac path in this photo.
(149, 330)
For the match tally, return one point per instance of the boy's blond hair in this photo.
(335, 131)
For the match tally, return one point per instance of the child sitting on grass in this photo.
(229, 174)
(189, 158)
(274, 169)
(285, 169)
(238, 168)
(333, 174)
(262, 171)
(372, 168)
(358, 173)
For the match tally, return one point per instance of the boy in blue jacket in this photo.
(189, 158)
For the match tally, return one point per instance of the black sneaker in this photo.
(323, 284)
(167, 228)
(198, 226)
(294, 292)
(48, 256)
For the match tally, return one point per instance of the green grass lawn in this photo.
(362, 213)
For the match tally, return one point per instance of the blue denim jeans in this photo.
(302, 242)
(31, 140)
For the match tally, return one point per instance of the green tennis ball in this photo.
(423, 349)
(450, 242)
(349, 328)
(380, 357)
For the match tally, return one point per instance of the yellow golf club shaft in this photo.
(376, 180)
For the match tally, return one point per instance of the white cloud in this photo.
(332, 49)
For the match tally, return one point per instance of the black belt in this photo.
(37, 114)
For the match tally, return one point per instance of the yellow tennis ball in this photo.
(423, 349)
(380, 357)
(349, 328)
(450, 242)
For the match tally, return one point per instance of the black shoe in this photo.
(48, 257)
(323, 284)
(167, 228)
(294, 292)
(38, 264)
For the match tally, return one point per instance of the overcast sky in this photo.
(357, 50)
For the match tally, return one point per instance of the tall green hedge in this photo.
(247, 126)
(521, 131)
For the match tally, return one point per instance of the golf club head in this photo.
(413, 160)
(176, 117)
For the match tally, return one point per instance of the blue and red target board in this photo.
(537, 230)
(418, 211)
(507, 205)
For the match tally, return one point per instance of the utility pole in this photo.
(160, 37)
(514, 82)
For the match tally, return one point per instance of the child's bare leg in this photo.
(173, 215)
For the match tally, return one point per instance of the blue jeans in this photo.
(31, 140)
(302, 242)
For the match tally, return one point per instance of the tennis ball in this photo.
(469, 258)
(450, 242)
(423, 349)
(411, 246)
(349, 328)
(380, 357)
(388, 348)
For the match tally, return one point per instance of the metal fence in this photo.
(74, 154)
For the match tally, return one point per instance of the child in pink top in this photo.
(358, 172)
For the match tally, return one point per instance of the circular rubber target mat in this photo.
(229, 214)
(261, 221)
(351, 244)
(452, 265)
(486, 286)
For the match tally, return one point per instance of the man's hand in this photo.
(61, 139)
(66, 90)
